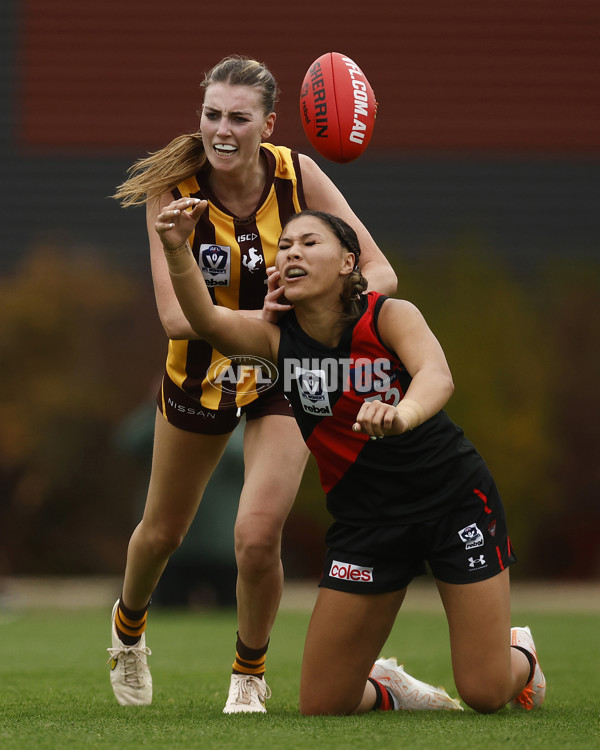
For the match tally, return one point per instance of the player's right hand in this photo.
(178, 220)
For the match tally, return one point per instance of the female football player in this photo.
(368, 380)
(252, 188)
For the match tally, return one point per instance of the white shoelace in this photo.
(246, 687)
(132, 659)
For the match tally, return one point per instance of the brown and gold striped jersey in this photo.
(233, 254)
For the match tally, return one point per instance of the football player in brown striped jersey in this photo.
(251, 189)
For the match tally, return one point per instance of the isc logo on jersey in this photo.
(312, 389)
(215, 264)
(348, 572)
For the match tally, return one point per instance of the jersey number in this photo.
(391, 396)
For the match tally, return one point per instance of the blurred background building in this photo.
(481, 184)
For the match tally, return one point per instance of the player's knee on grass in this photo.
(321, 699)
(484, 696)
(331, 707)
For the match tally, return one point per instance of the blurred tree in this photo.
(79, 343)
(567, 539)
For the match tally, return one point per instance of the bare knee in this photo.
(257, 545)
(331, 700)
(316, 706)
(309, 708)
(320, 696)
(159, 541)
(485, 697)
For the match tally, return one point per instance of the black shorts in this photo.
(185, 412)
(469, 543)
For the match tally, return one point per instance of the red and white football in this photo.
(337, 107)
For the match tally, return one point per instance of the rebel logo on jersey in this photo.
(215, 264)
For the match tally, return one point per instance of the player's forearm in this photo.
(427, 394)
(224, 329)
(190, 289)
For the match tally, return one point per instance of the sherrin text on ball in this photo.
(337, 107)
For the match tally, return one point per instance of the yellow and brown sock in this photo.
(130, 623)
(249, 660)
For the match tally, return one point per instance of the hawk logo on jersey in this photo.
(215, 263)
(312, 389)
(254, 262)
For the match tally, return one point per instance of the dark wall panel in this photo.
(471, 74)
(488, 116)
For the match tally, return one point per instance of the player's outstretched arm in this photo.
(225, 329)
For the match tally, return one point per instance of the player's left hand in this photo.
(275, 303)
(378, 419)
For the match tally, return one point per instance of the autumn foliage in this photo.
(81, 348)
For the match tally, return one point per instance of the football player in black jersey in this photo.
(404, 485)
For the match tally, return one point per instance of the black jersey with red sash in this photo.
(397, 479)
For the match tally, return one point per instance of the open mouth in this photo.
(225, 149)
(295, 273)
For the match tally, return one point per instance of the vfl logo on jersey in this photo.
(312, 389)
(348, 572)
(471, 536)
(215, 264)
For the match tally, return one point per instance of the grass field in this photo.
(55, 692)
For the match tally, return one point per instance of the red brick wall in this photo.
(463, 75)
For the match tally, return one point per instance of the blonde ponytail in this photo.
(162, 170)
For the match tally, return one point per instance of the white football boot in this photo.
(247, 694)
(129, 672)
(410, 694)
(534, 692)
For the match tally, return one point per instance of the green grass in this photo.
(55, 693)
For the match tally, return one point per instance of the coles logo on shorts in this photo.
(348, 572)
